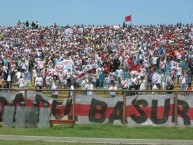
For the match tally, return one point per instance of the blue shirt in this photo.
(28, 76)
(57, 60)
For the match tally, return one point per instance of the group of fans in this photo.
(144, 57)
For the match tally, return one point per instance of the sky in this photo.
(96, 12)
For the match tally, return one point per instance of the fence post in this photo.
(176, 108)
(124, 107)
(74, 101)
(25, 94)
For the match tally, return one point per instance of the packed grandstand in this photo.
(143, 57)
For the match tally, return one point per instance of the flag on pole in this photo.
(128, 18)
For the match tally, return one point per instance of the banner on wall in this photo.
(142, 110)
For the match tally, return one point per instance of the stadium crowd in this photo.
(111, 57)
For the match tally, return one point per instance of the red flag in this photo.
(128, 18)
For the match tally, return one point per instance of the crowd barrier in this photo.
(129, 107)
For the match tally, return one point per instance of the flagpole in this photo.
(131, 21)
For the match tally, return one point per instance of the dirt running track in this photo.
(96, 140)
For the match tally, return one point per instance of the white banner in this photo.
(64, 65)
(140, 110)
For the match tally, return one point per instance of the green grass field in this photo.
(106, 131)
(40, 143)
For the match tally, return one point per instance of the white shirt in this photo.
(86, 86)
(48, 80)
(119, 73)
(134, 80)
(155, 77)
(53, 88)
(114, 88)
(71, 92)
(18, 74)
(179, 71)
(39, 81)
(90, 87)
(179, 56)
(159, 79)
(162, 64)
(142, 85)
(124, 83)
(112, 75)
(154, 60)
(21, 83)
(182, 80)
(24, 66)
(68, 74)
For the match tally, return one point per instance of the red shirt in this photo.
(189, 88)
(183, 53)
(129, 61)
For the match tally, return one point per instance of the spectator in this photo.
(156, 79)
(90, 87)
(2, 82)
(169, 84)
(101, 78)
(163, 80)
(54, 91)
(112, 90)
(68, 77)
(48, 81)
(39, 82)
(28, 79)
(149, 80)
(21, 84)
(142, 85)
(9, 80)
(125, 85)
(71, 92)
(132, 89)
(119, 75)
(189, 88)
(154, 88)
(27, 24)
(112, 76)
(85, 85)
(179, 73)
(183, 82)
